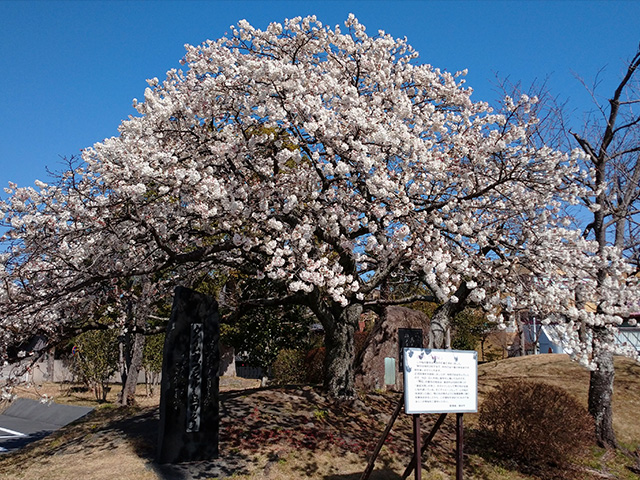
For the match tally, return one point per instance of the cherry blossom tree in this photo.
(610, 142)
(324, 160)
(60, 269)
(605, 280)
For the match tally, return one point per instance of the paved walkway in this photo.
(25, 421)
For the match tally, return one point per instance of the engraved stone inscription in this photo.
(408, 338)
(194, 389)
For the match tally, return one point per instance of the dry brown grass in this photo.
(559, 370)
(288, 433)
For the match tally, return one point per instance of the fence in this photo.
(40, 372)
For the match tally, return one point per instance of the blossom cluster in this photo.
(323, 160)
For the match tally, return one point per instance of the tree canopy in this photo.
(322, 159)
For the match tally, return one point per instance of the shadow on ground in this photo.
(142, 432)
(384, 474)
(259, 428)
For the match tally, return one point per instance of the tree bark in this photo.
(441, 319)
(133, 366)
(339, 329)
(601, 388)
(523, 336)
(133, 356)
(51, 362)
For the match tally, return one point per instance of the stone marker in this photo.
(384, 342)
(189, 411)
(408, 338)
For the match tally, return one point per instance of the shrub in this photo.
(96, 360)
(536, 423)
(288, 367)
(152, 361)
(471, 328)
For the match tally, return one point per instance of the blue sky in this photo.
(69, 70)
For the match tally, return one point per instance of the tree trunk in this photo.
(523, 337)
(601, 388)
(132, 367)
(339, 329)
(133, 356)
(51, 362)
(441, 318)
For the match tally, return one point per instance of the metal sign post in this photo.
(425, 444)
(416, 446)
(459, 446)
(440, 381)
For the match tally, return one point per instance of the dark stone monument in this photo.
(408, 338)
(189, 410)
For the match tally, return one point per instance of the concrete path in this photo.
(26, 420)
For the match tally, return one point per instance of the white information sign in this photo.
(440, 381)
